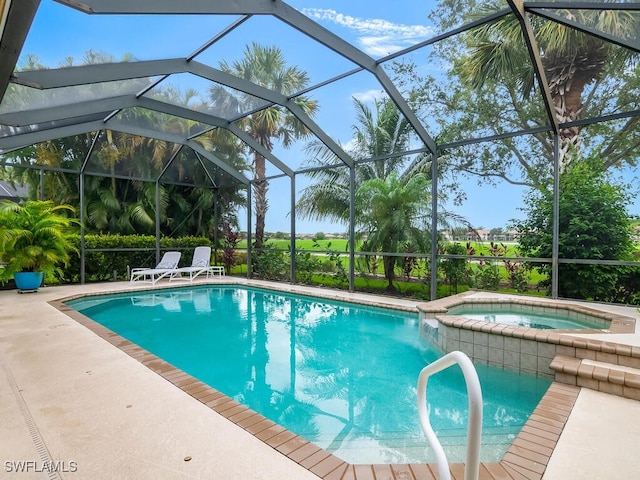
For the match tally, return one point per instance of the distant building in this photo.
(480, 235)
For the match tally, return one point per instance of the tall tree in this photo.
(267, 67)
(393, 203)
(380, 131)
(394, 212)
(571, 59)
(482, 84)
(594, 224)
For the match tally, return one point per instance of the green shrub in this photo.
(486, 276)
(455, 269)
(270, 264)
(327, 266)
(306, 266)
(111, 257)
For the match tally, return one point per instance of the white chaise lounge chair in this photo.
(167, 266)
(200, 264)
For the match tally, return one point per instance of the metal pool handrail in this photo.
(474, 430)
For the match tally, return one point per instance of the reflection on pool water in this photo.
(531, 319)
(343, 376)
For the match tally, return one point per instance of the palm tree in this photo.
(394, 212)
(266, 66)
(379, 132)
(393, 200)
(571, 59)
(129, 206)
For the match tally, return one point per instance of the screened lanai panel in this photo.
(408, 165)
(203, 95)
(278, 216)
(242, 149)
(223, 144)
(348, 110)
(286, 158)
(322, 200)
(618, 25)
(129, 156)
(379, 28)
(615, 142)
(154, 120)
(79, 38)
(22, 98)
(605, 177)
(218, 177)
(285, 48)
(12, 133)
(186, 169)
(225, 147)
(189, 168)
(459, 93)
(65, 154)
(336, 110)
(484, 185)
(227, 159)
(597, 78)
(479, 214)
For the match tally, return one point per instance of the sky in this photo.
(376, 27)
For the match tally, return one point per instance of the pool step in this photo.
(615, 379)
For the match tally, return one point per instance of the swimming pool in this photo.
(340, 375)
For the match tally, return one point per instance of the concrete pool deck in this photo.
(70, 398)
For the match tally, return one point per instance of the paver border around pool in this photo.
(526, 458)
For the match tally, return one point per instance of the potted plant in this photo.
(33, 241)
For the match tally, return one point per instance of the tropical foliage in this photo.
(380, 132)
(488, 75)
(120, 169)
(34, 237)
(267, 67)
(394, 214)
(392, 199)
(572, 60)
(594, 224)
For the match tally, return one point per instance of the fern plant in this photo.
(34, 237)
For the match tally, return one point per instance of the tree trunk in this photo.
(260, 199)
(567, 77)
(389, 273)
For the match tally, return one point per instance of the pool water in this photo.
(521, 318)
(340, 375)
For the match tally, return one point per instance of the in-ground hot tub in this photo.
(527, 338)
(530, 316)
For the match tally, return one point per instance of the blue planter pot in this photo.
(28, 280)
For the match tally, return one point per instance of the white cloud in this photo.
(350, 146)
(370, 95)
(376, 36)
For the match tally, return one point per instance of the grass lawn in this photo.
(342, 245)
(339, 244)
(377, 284)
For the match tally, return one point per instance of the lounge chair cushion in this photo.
(165, 265)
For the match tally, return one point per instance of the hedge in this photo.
(119, 253)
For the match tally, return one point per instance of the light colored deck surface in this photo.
(70, 397)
